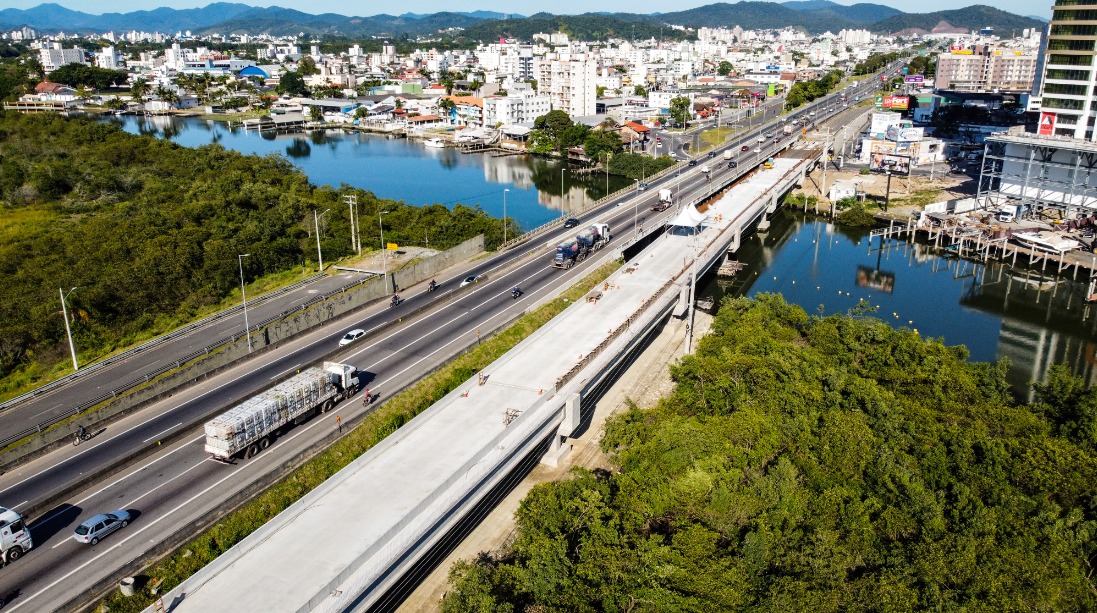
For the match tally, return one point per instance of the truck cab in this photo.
(14, 535)
(343, 376)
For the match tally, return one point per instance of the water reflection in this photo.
(1034, 319)
(540, 189)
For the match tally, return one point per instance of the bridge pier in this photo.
(559, 447)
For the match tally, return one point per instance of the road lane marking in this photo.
(121, 479)
(157, 435)
(134, 501)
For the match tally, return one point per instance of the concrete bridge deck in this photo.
(340, 544)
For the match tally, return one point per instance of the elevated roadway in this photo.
(397, 500)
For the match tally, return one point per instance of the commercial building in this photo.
(1040, 172)
(1066, 87)
(986, 70)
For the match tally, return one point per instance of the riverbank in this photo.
(645, 382)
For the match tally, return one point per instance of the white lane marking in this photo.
(20, 504)
(119, 544)
(157, 435)
(286, 371)
(134, 501)
(135, 471)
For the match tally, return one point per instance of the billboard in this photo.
(879, 101)
(1047, 124)
(914, 78)
(905, 134)
(880, 123)
(897, 103)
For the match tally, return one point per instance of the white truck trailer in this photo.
(14, 536)
(252, 425)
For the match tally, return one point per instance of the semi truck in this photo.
(252, 425)
(663, 202)
(14, 536)
(575, 250)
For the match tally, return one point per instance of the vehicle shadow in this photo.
(49, 524)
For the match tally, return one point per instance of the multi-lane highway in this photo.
(174, 487)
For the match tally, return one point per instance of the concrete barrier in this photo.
(263, 337)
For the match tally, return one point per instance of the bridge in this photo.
(342, 546)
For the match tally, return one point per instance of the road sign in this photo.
(391, 247)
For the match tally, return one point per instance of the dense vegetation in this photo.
(971, 17)
(816, 464)
(803, 92)
(79, 75)
(150, 231)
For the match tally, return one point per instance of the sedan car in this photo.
(98, 526)
(641, 186)
(469, 280)
(571, 222)
(352, 336)
(744, 148)
(693, 162)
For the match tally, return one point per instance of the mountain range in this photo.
(814, 16)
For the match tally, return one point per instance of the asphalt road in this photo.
(176, 485)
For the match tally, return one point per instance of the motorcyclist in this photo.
(517, 291)
(81, 432)
(367, 397)
(432, 286)
(395, 299)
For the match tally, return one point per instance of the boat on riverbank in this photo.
(1049, 242)
(434, 143)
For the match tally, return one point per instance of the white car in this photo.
(469, 280)
(352, 336)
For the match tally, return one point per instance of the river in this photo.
(540, 190)
(996, 311)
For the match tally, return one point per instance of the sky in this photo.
(358, 8)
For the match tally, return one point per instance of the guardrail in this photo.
(143, 347)
(114, 393)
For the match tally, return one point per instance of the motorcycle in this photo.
(395, 301)
(516, 292)
(433, 286)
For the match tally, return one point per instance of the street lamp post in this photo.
(243, 294)
(505, 215)
(384, 251)
(887, 195)
(316, 219)
(68, 331)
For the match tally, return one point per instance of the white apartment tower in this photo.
(570, 84)
(54, 57)
(1068, 87)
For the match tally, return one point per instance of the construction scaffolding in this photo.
(1044, 173)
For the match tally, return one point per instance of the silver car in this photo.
(96, 527)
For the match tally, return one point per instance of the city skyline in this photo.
(352, 8)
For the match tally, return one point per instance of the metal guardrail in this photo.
(114, 393)
(129, 353)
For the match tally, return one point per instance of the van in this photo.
(761, 138)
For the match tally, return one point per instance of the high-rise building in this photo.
(986, 70)
(1067, 85)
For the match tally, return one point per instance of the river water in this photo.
(539, 190)
(996, 311)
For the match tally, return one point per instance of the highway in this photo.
(174, 487)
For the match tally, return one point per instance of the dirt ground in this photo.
(645, 382)
(908, 195)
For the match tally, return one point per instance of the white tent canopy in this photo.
(688, 221)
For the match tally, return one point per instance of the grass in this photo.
(195, 554)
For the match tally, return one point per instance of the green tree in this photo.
(445, 107)
(724, 68)
(293, 84)
(139, 89)
(307, 66)
(681, 109)
(600, 142)
(639, 90)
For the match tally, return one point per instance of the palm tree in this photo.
(447, 105)
(139, 89)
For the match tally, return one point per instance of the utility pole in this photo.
(355, 238)
(68, 331)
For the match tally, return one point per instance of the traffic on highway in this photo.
(142, 483)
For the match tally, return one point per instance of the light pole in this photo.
(505, 215)
(384, 251)
(887, 195)
(68, 331)
(316, 219)
(247, 332)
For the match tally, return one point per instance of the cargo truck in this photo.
(727, 154)
(575, 250)
(786, 130)
(14, 536)
(663, 202)
(252, 425)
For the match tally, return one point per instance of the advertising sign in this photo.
(1047, 124)
(905, 134)
(915, 78)
(906, 69)
(880, 123)
(897, 103)
(879, 101)
(773, 68)
(899, 164)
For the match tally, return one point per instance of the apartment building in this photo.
(986, 70)
(53, 56)
(570, 84)
(1066, 87)
(522, 106)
